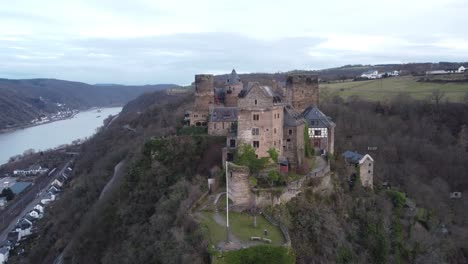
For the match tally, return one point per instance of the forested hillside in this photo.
(419, 148)
(24, 100)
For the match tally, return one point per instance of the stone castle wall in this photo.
(269, 123)
(302, 91)
(239, 187)
(294, 145)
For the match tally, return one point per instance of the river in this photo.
(53, 134)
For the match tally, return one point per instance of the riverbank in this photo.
(53, 134)
(30, 125)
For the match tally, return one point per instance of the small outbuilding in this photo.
(364, 165)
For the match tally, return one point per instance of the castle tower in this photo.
(204, 97)
(302, 91)
(233, 88)
(204, 92)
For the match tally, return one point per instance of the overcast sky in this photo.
(156, 41)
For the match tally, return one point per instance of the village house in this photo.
(33, 170)
(461, 69)
(35, 214)
(49, 197)
(60, 181)
(362, 165)
(40, 207)
(24, 228)
(4, 254)
(371, 74)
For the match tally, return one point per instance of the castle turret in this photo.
(302, 91)
(233, 87)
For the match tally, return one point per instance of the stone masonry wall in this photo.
(366, 173)
(294, 145)
(302, 91)
(269, 123)
(239, 187)
(204, 93)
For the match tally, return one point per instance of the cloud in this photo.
(151, 41)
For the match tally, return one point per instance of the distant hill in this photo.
(345, 72)
(24, 100)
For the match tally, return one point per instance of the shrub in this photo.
(245, 156)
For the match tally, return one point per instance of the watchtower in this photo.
(302, 91)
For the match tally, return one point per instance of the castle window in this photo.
(370, 164)
(288, 140)
(255, 101)
(256, 144)
(195, 115)
(214, 125)
(256, 117)
(290, 131)
(255, 131)
(317, 132)
(369, 171)
(232, 143)
(274, 130)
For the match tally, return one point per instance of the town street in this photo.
(26, 202)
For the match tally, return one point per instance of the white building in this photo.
(48, 198)
(35, 214)
(461, 69)
(40, 207)
(24, 228)
(4, 254)
(34, 170)
(372, 74)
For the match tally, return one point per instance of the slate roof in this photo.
(267, 91)
(24, 224)
(19, 187)
(12, 236)
(4, 250)
(352, 156)
(223, 114)
(292, 118)
(233, 78)
(316, 119)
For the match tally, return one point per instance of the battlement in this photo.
(302, 90)
(204, 83)
(301, 79)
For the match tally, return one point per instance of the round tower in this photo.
(204, 94)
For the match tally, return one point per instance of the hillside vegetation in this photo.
(388, 88)
(419, 148)
(24, 100)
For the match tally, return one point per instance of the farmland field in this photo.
(384, 89)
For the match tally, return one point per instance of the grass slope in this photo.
(380, 90)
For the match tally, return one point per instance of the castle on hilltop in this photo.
(263, 117)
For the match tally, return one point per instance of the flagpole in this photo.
(227, 203)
